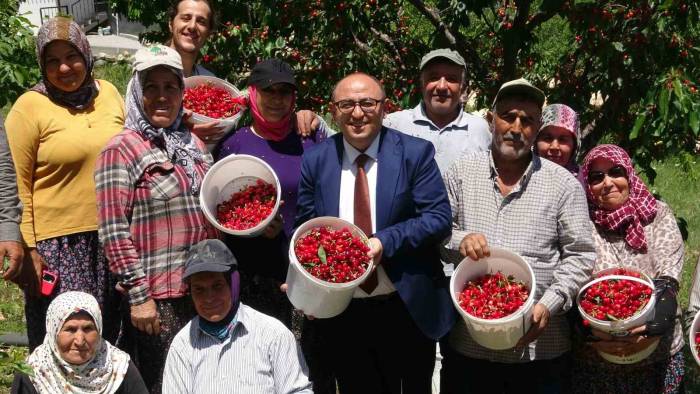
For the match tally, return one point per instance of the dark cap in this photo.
(271, 71)
(210, 255)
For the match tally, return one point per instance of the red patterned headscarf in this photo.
(639, 209)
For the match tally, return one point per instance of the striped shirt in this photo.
(260, 357)
(545, 220)
(148, 217)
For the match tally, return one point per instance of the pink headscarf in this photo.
(639, 209)
(275, 131)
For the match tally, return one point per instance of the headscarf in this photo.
(639, 209)
(102, 374)
(62, 28)
(224, 327)
(563, 116)
(275, 131)
(176, 138)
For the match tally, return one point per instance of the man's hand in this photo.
(375, 251)
(540, 319)
(12, 254)
(208, 132)
(145, 317)
(474, 246)
(283, 289)
(307, 122)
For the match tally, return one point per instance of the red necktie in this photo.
(362, 212)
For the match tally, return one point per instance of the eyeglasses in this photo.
(596, 177)
(367, 105)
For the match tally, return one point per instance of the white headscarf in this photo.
(103, 374)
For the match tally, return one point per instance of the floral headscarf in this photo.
(103, 374)
(177, 140)
(563, 116)
(639, 209)
(61, 28)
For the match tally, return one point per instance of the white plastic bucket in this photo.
(230, 175)
(226, 123)
(496, 334)
(694, 328)
(620, 327)
(611, 271)
(631, 358)
(314, 296)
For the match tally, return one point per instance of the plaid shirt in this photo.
(545, 220)
(148, 218)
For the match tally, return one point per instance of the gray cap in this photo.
(210, 255)
(156, 55)
(448, 54)
(519, 86)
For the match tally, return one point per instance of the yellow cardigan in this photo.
(54, 149)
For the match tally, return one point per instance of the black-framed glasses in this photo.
(367, 105)
(595, 177)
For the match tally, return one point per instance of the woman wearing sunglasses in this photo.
(632, 229)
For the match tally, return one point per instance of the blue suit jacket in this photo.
(413, 217)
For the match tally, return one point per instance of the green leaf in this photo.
(637, 126)
(694, 121)
(618, 46)
(678, 89)
(322, 254)
(664, 98)
(280, 42)
(611, 317)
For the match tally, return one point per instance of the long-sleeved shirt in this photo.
(545, 220)
(465, 134)
(10, 206)
(260, 356)
(54, 149)
(664, 257)
(148, 216)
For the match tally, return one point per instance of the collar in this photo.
(531, 167)
(241, 319)
(372, 151)
(420, 116)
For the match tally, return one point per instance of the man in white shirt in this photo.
(229, 347)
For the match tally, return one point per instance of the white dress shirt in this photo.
(346, 206)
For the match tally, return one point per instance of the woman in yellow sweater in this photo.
(55, 132)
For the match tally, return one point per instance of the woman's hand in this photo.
(623, 346)
(145, 317)
(30, 274)
(274, 228)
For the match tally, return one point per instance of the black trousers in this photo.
(465, 375)
(374, 347)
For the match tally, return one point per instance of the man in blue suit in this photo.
(388, 184)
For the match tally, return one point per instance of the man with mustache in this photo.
(510, 198)
(389, 185)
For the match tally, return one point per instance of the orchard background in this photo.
(638, 60)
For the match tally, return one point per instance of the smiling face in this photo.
(514, 124)
(275, 101)
(78, 339)
(614, 190)
(162, 96)
(211, 295)
(191, 26)
(556, 144)
(442, 84)
(361, 125)
(64, 66)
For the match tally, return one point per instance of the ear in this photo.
(489, 117)
(170, 26)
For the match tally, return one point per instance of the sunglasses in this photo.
(596, 177)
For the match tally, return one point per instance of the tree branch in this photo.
(390, 43)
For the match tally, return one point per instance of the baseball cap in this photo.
(210, 255)
(519, 86)
(271, 71)
(156, 55)
(445, 53)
